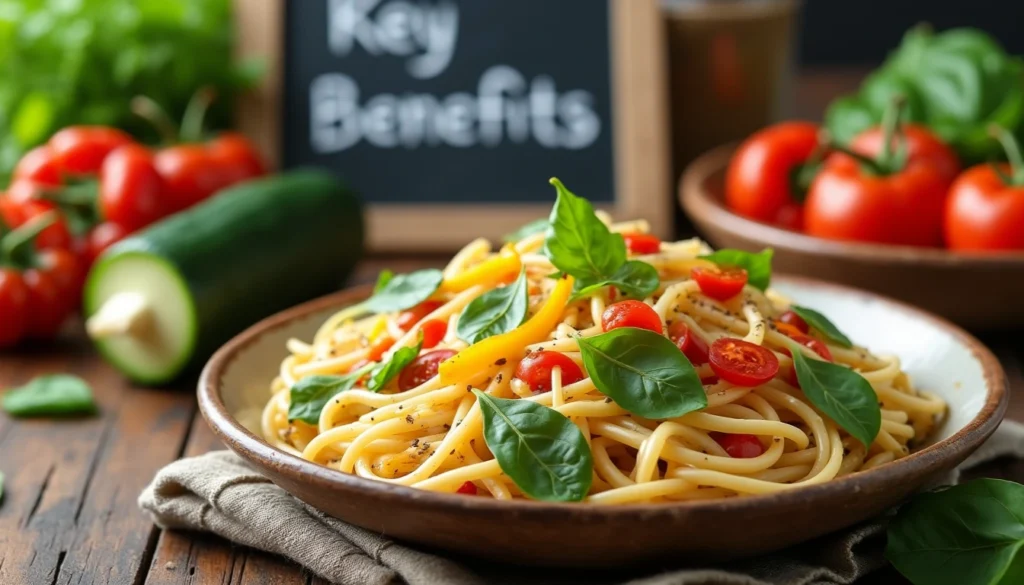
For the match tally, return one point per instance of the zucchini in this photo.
(160, 302)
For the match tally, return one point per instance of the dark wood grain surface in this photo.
(69, 514)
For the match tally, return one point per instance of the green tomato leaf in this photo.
(387, 371)
(578, 243)
(309, 395)
(635, 280)
(534, 227)
(970, 533)
(842, 394)
(55, 394)
(402, 291)
(383, 279)
(541, 450)
(643, 372)
(495, 312)
(821, 323)
(758, 266)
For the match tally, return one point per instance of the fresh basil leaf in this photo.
(534, 227)
(309, 395)
(541, 450)
(402, 291)
(643, 372)
(844, 395)
(578, 243)
(55, 394)
(758, 266)
(383, 279)
(635, 280)
(495, 312)
(821, 323)
(387, 371)
(970, 533)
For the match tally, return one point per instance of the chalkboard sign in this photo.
(449, 116)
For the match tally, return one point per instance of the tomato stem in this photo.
(1012, 149)
(195, 114)
(152, 112)
(889, 160)
(870, 164)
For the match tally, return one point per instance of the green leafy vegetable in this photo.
(385, 372)
(578, 243)
(309, 395)
(534, 227)
(55, 394)
(971, 533)
(402, 291)
(635, 279)
(844, 395)
(495, 312)
(643, 372)
(821, 323)
(541, 450)
(758, 266)
(383, 279)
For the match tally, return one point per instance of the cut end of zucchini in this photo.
(141, 316)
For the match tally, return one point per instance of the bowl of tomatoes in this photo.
(893, 211)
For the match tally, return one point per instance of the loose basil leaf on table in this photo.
(402, 291)
(309, 395)
(970, 533)
(578, 243)
(758, 266)
(495, 312)
(844, 395)
(643, 372)
(55, 394)
(635, 280)
(387, 371)
(383, 279)
(541, 450)
(534, 227)
(821, 323)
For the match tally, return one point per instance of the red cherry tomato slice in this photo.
(39, 166)
(434, 331)
(692, 345)
(791, 318)
(13, 307)
(815, 345)
(720, 283)
(422, 368)
(741, 446)
(742, 363)
(407, 319)
(642, 243)
(535, 370)
(631, 314)
(468, 488)
(80, 150)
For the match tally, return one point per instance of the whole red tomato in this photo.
(15, 213)
(39, 166)
(191, 174)
(99, 239)
(236, 151)
(80, 150)
(880, 196)
(132, 193)
(13, 307)
(768, 176)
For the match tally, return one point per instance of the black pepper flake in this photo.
(452, 452)
(415, 442)
(501, 362)
(608, 400)
(469, 387)
(408, 418)
(777, 439)
(400, 407)
(498, 379)
(447, 426)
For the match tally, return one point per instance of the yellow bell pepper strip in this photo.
(479, 360)
(500, 269)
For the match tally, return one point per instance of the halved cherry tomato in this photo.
(13, 307)
(100, 238)
(720, 283)
(642, 243)
(434, 331)
(468, 488)
(742, 363)
(692, 345)
(535, 370)
(379, 347)
(132, 193)
(79, 150)
(815, 345)
(741, 446)
(39, 166)
(631, 314)
(791, 318)
(16, 213)
(422, 368)
(412, 316)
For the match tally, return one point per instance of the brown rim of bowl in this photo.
(701, 206)
(925, 461)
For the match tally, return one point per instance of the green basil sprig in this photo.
(635, 280)
(758, 266)
(534, 227)
(398, 292)
(495, 312)
(821, 323)
(541, 450)
(309, 395)
(643, 372)
(387, 371)
(844, 395)
(971, 533)
(383, 279)
(55, 394)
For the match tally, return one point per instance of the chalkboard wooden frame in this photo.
(640, 128)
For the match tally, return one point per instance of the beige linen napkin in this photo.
(219, 493)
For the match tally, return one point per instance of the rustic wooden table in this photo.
(69, 513)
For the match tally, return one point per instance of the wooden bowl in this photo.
(942, 358)
(979, 291)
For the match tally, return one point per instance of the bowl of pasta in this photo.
(588, 394)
